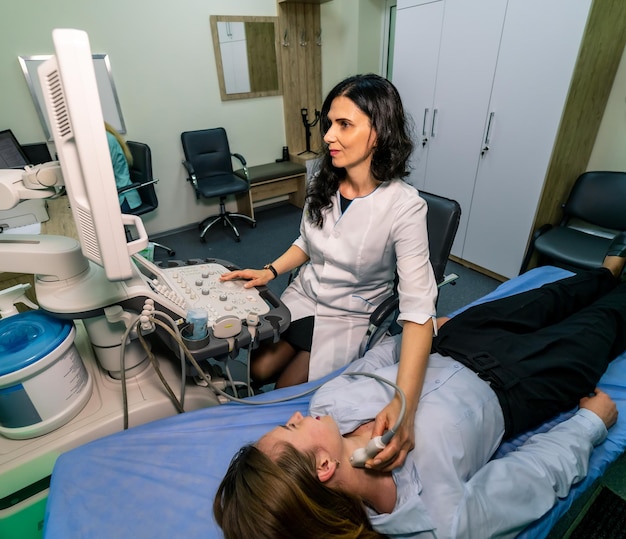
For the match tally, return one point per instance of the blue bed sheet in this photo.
(159, 479)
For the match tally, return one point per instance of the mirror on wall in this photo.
(246, 56)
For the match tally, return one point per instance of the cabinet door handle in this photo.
(432, 125)
(424, 137)
(487, 141)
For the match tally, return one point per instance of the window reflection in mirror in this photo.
(246, 56)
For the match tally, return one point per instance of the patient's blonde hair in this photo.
(282, 498)
(122, 142)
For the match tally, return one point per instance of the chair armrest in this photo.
(191, 176)
(380, 320)
(448, 279)
(542, 230)
(189, 168)
(135, 185)
(384, 310)
(242, 160)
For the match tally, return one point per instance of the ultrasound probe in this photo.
(378, 443)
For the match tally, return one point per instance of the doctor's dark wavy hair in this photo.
(380, 101)
(282, 498)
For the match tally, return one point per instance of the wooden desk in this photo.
(61, 222)
(273, 180)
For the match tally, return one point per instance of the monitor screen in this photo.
(72, 102)
(37, 153)
(11, 153)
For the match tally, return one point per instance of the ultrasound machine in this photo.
(102, 308)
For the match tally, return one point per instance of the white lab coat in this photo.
(353, 258)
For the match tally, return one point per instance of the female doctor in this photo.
(362, 223)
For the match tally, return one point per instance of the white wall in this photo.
(163, 66)
(352, 39)
(609, 151)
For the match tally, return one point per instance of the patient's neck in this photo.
(377, 489)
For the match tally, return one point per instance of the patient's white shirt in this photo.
(448, 484)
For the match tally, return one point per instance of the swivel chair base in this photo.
(224, 217)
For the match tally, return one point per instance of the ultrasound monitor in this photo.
(117, 282)
(11, 153)
(70, 92)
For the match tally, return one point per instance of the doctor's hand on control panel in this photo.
(291, 259)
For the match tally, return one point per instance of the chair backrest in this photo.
(442, 220)
(141, 172)
(598, 198)
(208, 151)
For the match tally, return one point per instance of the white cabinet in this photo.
(232, 38)
(495, 96)
(415, 73)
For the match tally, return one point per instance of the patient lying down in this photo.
(496, 370)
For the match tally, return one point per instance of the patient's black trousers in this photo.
(544, 349)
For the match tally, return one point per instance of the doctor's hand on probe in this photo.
(414, 353)
(396, 451)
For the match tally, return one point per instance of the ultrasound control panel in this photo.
(195, 284)
(199, 287)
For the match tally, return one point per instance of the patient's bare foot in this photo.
(615, 258)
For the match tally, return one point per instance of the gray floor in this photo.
(470, 286)
(613, 479)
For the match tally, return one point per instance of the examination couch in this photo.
(159, 479)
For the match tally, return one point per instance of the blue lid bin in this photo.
(43, 381)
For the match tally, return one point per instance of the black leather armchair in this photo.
(442, 221)
(143, 182)
(593, 214)
(208, 162)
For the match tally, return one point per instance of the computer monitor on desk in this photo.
(11, 153)
(16, 155)
(37, 153)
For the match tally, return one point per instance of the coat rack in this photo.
(307, 128)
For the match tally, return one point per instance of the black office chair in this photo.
(143, 182)
(594, 212)
(442, 221)
(208, 162)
